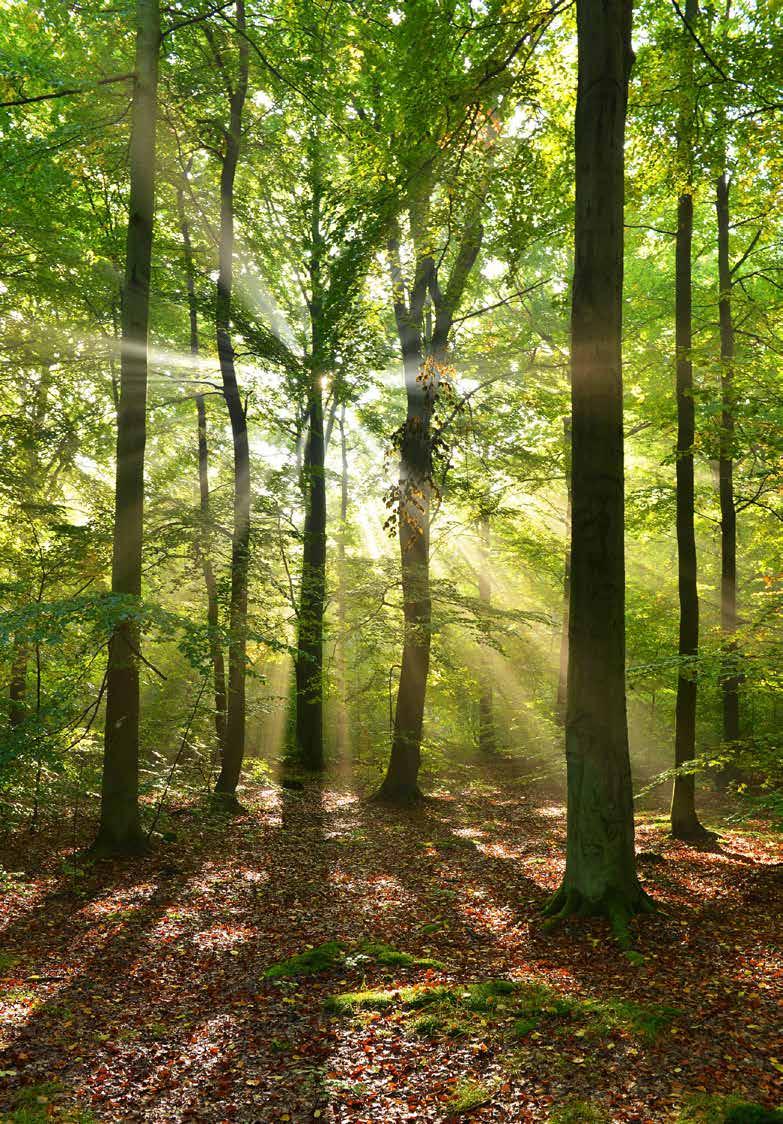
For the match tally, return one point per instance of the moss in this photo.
(334, 954)
(379, 1000)
(469, 1095)
(578, 1112)
(7, 962)
(708, 1108)
(320, 959)
(454, 1011)
(746, 1113)
(393, 958)
(37, 1104)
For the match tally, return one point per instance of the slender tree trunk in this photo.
(120, 830)
(487, 738)
(562, 679)
(309, 654)
(342, 594)
(728, 514)
(600, 875)
(204, 541)
(17, 685)
(685, 822)
(234, 747)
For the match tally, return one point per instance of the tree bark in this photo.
(17, 685)
(422, 384)
(312, 597)
(562, 679)
(120, 830)
(684, 821)
(728, 515)
(342, 596)
(600, 875)
(204, 538)
(234, 747)
(487, 738)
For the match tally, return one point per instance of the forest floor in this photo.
(138, 991)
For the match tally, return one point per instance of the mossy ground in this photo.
(335, 954)
(517, 1008)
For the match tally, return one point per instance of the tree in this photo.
(685, 822)
(600, 875)
(120, 830)
(234, 746)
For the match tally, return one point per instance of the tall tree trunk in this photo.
(401, 785)
(685, 822)
(562, 679)
(342, 594)
(310, 620)
(728, 513)
(600, 875)
(487, 738)
(120, 830)
(17, 684)
(204, 540)
(234, 747)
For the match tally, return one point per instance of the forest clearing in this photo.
(391, 649)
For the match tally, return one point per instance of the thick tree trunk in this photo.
(562, 679)
(120, 831)
(401, 784)
(312, 597)
(600, 875)
(728, 514)
(204, 540)
(234, 748)
(487, 738)
(685, 822)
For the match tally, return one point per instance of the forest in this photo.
(391, 461)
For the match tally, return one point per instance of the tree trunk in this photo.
(728, 515)
(342, 596)
(401, 784)
(487, 739)
(685, 822)
(562, 679)
(234, 748)
(17, 685)
(310, 620)
(204, 540)
(600, 875)
(120, 830)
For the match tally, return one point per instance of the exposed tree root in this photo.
(226, 803)
(693, 831)
(398, 795)
(109, 846)
(619, 909)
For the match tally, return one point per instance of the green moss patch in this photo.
(334, 954)
(519, 1008)
(708, 1108)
